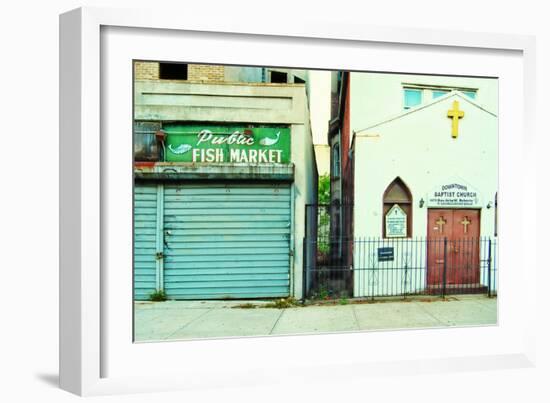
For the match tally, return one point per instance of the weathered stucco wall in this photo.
(378, 96)
(319, 85)
(418, 148)
(168, 100)
(305, 188)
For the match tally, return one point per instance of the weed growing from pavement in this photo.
(157, 295)
(247, 305)
(291, 302)
(323, 293)
(282, 303)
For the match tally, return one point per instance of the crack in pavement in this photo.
(277, 321)
(187, 324)
(355, 317)
(483, 304)
(430, 314)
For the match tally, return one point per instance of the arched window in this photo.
(397, 221)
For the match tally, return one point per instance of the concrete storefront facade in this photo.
(220, 212)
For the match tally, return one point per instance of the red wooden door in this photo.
(464, 248)
(457, 259)
(440, 223)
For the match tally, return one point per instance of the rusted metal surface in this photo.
(190, 171)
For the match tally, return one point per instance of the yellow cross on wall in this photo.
(455, 114)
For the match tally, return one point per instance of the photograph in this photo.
(272, 201)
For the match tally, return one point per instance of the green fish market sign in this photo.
(223, 144)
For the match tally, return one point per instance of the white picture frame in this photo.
(87, 349)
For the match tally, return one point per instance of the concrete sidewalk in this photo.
(176, 320)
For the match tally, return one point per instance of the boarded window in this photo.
(146, 147)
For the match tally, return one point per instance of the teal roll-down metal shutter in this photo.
(227, 240)
(145, 219)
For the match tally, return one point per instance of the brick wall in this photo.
(195, 72)
(205, 72)
(146, 70)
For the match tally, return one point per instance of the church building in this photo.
(418, 159)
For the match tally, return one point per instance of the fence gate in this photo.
(328, 251)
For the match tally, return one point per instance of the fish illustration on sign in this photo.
(181, 149)
(266, 141)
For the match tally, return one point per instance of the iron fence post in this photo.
(489, 259)
(444, 285)
(305, 258)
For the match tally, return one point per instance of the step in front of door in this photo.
(457, 289)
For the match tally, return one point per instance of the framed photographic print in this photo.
(241, 201)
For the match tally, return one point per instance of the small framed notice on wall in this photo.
(396, 222)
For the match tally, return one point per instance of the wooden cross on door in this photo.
(465, 222)
(441, 222)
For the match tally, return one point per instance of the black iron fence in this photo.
(336, 267)
(326, 223)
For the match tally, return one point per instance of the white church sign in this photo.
(396, 222)
(454, 194)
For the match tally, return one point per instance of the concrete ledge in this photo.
(162, 100)
(198, 171)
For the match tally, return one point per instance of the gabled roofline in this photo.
(427, 105)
